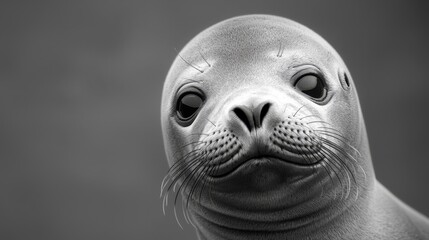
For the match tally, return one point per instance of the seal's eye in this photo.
(187, 105)
(311, 85)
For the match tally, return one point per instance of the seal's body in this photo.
(265, 139)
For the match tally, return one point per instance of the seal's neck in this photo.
(310, 220)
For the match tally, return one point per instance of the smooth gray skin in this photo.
(251, 60)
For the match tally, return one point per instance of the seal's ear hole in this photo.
(344, 80)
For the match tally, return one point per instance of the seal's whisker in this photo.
(334, 157)
(299, 109)
(280, 47)
(204, 181)
(185, 170)
(180, 172)
(348, 171)
(331, 162)
(197, 180)
(327, 141)
(330, 128)
(325, 168)
(301, 151)
(322, 157)
(211, 122)
(164, 203)
(284, 110)
(205, 60)
(314, 167)
(348, 186)
(198, 134)
(193, 186)
(307, 158)
(341, 139)
(336, 161)
(322, 191)
(177, 219)
(178, 166)
(312, 115)
(357, 194)
(336, 171)
(185, 215)
(333, 134)
(209, 172)
(340, 159)
(319, 121)
(196, 170)
(363, 171)
(190, 140)
(201, 180)
(191, 65)
(215, 170)
(323, 123)
(334, 166)
(281, 53)
(181, 161)
(185, 182)
(346, 155)
(195, 143)
(162, 185)
(190, 220)
(329, 170)
(175, 186)
(338, 149)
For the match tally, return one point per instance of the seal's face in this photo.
(260, 113)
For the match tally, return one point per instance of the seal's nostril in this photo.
(245, 116)
(263, 112)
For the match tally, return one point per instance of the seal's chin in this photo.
(263, 173)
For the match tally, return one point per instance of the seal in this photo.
(265, 139)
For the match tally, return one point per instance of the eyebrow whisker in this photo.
(281, 50)
(205, 60)
(191, 65)
(280, 47)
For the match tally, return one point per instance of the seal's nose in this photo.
(252, 117)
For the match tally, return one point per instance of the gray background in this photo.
(80, 87)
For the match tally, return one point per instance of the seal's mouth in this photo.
(246, 164)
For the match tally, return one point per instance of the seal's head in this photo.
(262, 129)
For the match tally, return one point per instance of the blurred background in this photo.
(81, 154)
